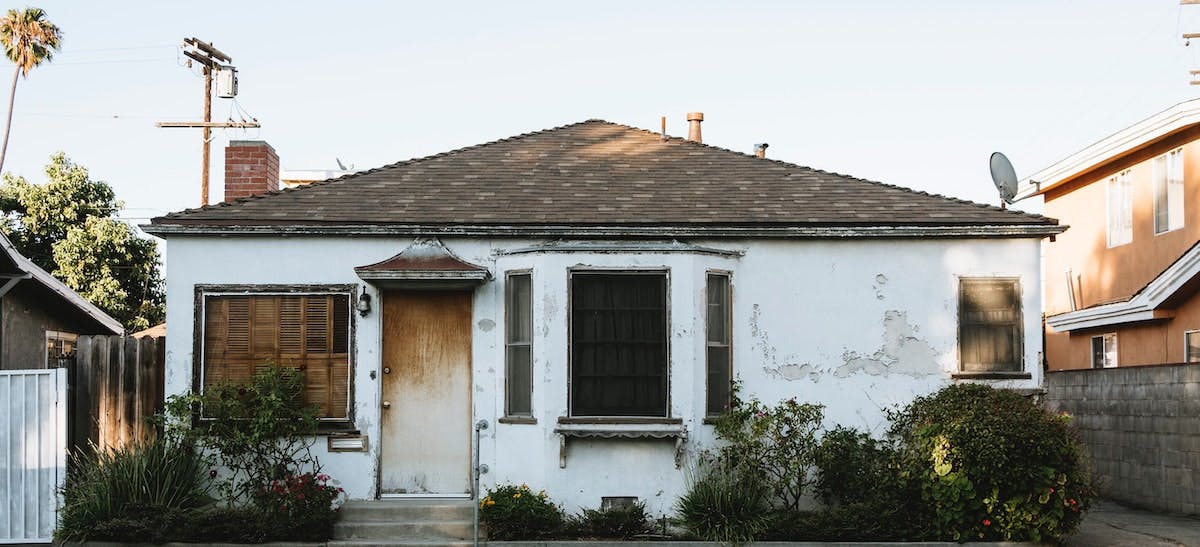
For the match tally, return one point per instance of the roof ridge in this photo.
(400, 163)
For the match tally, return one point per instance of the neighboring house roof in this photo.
(597, 178)
(19, 267)
(1154, 301)
(1174, 120)
(157, 331)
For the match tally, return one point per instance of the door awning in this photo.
(426, 263)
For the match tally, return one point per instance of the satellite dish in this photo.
(1004, 176)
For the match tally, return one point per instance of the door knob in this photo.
(387, 404)
(387, 370)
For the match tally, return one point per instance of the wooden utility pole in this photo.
(210, 58)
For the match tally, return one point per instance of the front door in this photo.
(426, 444)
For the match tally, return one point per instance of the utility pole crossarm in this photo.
(210, 125)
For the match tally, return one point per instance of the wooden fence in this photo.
(115, 383)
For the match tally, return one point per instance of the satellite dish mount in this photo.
(1004, 177)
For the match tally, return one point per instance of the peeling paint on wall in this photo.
(880, 281)
(486, 325)
(902, 352)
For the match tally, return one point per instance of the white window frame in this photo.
(1119, 201)
(1111, 357)
(1187, 357)
(1168, 190)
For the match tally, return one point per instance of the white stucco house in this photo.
(590, 291)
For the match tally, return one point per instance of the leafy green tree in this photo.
(66, 226)
(29, 40)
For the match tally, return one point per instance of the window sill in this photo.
(991, 376)
(526, 420)
(620, 428)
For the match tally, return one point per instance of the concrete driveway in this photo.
(1111, 524)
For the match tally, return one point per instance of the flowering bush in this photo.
(307, 501)
(516, 512)
(989, 464)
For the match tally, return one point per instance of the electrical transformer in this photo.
(226, 82)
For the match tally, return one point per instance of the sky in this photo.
(917, 94)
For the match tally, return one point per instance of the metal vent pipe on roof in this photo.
(760, 149)
(694, 119)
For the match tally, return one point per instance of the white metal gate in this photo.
(33, 452)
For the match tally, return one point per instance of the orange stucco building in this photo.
(1120, 284)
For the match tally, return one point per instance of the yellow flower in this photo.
(542, 494)
(491, 503)
(524, 487)
(517, 496)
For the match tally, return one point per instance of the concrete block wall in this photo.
(1141, 429)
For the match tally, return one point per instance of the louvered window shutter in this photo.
(306, 332)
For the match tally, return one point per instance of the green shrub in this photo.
(516, 512)
(612, 523)
(724, 502)
(850, 465)
(131, 482)
(777, 443)
(257, 432)
(989, 464)
(307, 501)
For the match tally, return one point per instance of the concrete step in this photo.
(430, 529)
(401, 543)
(392, 510)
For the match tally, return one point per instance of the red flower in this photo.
(299, 496)
(987, 522)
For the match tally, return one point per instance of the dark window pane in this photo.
(618, 345)
(519, 383)
(989, 325)
(718, 380)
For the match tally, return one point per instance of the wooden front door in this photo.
(426, 444)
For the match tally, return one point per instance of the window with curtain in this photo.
(719, 349)
(1168, 191)
(989, 325)
(309, 332)
(1120, 209)
(619, 344)
(518, 344)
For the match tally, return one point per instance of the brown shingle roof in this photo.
(597, 173)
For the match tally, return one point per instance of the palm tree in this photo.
(29, 40)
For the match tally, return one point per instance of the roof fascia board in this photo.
(1142, 307)
(655, 247)
(819, 232)
(1150, 129)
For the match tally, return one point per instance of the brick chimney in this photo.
(694, 119)
(251, 168)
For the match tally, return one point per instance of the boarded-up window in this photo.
(518, 345)
(619, 344)
(310, 332)
(989, 325)
(718, 359)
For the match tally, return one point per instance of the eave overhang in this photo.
(613, 231)
(1151, 303)
(1159, 126)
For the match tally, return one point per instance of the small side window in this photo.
(1191, 346)
(518, 344)
(989, 325)
(1104, 351)
(719, 356)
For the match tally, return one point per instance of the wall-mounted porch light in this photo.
(364, 304)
